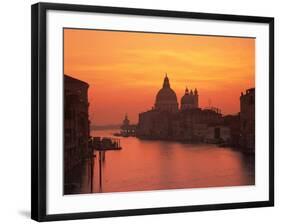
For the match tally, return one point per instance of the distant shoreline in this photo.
(105, 127)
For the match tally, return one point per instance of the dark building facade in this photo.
(76, 122)
(247, 119)
(233, 122)
(189, 123)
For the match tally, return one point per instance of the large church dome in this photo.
(166, 98)
(166, 94)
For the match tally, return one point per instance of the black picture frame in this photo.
(39, 122)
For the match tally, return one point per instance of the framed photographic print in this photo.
(140, 111)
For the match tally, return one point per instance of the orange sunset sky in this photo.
(125, 70)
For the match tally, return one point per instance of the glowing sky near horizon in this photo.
(125, 70)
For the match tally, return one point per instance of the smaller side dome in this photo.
(189, 100)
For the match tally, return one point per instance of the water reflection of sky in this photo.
(155, 165)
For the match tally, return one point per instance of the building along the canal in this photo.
(76, 122)
(247, 119)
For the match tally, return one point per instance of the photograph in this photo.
(147, 111)
(139, 112)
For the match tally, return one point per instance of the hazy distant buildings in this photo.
(247, 119)
(189, 123)
(127, 129)
(76, 121)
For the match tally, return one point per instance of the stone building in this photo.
(76, 122)
(247, 119)
(191, 123)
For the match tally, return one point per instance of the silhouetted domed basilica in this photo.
(166, 98)
(189, 123)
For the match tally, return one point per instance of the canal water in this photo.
(157, 165)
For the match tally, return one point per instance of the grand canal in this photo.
(154, 165)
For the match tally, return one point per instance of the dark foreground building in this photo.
(76, 122)
(247, 119)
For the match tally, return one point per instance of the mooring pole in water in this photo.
(91, 167)
(100, 170)
(103, 157)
